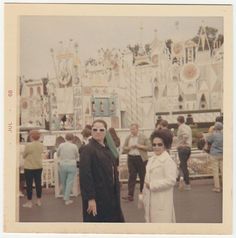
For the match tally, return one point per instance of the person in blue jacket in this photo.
(216, 154)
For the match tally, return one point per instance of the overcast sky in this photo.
(40, 34)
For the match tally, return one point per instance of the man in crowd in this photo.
(136, 146)
(184, 144)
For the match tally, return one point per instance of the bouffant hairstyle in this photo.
(69, 136)
(34, 135)
(100, 121)
(164, 135)
(180, 119)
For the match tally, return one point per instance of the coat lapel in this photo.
(158, 160)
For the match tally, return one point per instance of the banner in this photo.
(65, 100)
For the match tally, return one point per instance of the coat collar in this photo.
(161, 158)
(94, 142)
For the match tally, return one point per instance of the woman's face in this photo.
(98, 132)
(158, 146)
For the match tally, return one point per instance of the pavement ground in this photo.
(199, 205)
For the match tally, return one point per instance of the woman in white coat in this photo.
(161, 173)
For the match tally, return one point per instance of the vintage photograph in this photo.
(119, 118)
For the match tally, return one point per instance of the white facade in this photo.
(122, 88)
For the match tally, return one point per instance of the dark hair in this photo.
(69, 136)
(159, 119)
(157, 123)
(76, 140)
(86, 132)
(189, 120)
(59, 140)
(219, 119)
(34, 134)
(88, 127)
(114, 136)
(164, 135)
(21, 138)
(100, 121)
(163, 123)
(180, 119)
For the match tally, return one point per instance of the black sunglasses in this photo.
(157, 144)
(96, 129)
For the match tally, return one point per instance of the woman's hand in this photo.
(92, 207)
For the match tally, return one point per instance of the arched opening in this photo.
(180, 100)
(39, 90)
(203, 102)
(31, 91)
(156, 92)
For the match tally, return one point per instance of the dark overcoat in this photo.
(99, 180)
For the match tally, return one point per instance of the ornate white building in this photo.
(122, 87)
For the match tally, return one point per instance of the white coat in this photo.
(161, 173)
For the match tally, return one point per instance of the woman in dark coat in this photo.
(99, 181)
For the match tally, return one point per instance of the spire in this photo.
(76, 47)
(155, 34)
(154, 44)
(177, 34)
(141, 34)
(141, 51)
(203, 43)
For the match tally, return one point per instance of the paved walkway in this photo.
(200, 205)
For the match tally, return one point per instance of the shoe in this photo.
(187, 187)
(68, 202)
(217, 190)
(181, 184)
(21, 195)
(27, 204)
(128, 198)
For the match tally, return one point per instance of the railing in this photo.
(50, 178)
(48, 175)
(198, 164)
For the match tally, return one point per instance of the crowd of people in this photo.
(97, 157)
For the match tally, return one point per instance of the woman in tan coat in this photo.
(33, 167)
